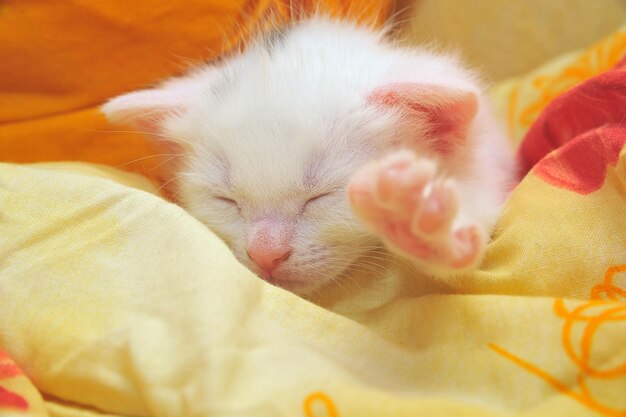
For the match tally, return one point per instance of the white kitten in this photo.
(322, 141)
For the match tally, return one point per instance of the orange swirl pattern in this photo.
(596, 59)
(607, 289)
(607, 306)
(324, 400)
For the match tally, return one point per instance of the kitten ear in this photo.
(446, 112)
(145, 110)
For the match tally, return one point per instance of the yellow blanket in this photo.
(115, 302)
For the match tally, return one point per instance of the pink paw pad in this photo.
(401, 198)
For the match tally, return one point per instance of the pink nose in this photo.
(268, 258)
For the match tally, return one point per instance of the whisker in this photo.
(167, 182)
(153, 156)
(158, 135)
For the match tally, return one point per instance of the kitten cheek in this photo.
(229, 228)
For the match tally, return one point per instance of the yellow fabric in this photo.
(507, 38)
(115, 302)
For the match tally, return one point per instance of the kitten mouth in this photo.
(286, 283)
(287, 279)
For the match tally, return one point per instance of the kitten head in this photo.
(274, 134)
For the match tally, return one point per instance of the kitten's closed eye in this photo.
(233, 203)
(228, 201)
(316, 198)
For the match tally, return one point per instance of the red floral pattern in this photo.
(9, 399)
(579, 134)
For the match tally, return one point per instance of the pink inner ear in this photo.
(448, 112)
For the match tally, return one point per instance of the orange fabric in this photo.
(59, 60)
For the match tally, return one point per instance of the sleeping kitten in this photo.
(324, 140)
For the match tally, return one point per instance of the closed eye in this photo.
(228, 201)
(317, 198)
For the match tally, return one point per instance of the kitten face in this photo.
(270, 180)
(274, 134)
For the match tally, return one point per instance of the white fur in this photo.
(281, 123)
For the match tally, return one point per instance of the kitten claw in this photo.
(437, 210)
(468, 242)
(401, 199)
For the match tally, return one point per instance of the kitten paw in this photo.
(414, 211)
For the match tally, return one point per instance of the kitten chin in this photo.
(318, 144)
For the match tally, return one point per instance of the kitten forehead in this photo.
(223, 168)
(271, 176)
(313, 170)
(211, 172)
(290, 113)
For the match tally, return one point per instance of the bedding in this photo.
(61, 59)
(506, 38)
(116, 302)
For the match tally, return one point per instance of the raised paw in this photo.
(415, 211)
